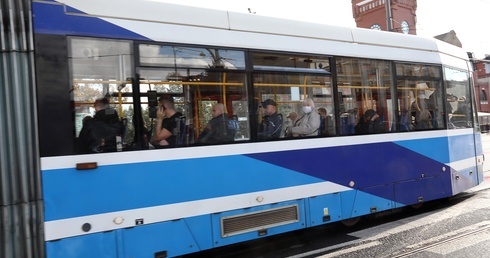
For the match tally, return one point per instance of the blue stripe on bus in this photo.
(71, 193)
(438, 148)
(365, 165)
(52, 19)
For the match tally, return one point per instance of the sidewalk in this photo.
(486, 165)
(486, 151)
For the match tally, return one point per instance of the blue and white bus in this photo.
(142, 200)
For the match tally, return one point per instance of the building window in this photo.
(483, 96)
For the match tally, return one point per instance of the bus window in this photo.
(287, 80)
(365, 96)
(208, 87)
(98, 69)
(419, 96)
(458, 105)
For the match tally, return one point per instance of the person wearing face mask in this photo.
(308, 124)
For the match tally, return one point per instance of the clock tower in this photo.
(388, 15)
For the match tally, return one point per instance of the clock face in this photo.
(405, 27)
(375, 27)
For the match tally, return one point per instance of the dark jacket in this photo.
(217, 130)
(270, 127)
(366, 127)
(99, 133)
(326, 126)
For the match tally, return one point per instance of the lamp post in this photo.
(389, 24)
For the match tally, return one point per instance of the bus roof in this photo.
(164, 22)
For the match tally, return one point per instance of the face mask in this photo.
(306, 109)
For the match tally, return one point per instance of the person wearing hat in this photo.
(271, 125)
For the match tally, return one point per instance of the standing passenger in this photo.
(99, 133)
(308, 124)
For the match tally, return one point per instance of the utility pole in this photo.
(389, 23)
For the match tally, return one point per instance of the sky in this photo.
(434, 17)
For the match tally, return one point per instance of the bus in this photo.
(141, 199)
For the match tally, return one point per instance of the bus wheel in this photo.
(351, 222)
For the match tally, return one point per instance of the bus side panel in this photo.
(221, 238)
(422, 190)
(201, 230)
(100, 245)
(464, 174)
(171, 237)
(480, 157)
(463, 180)
(324, 209)
(370, 203)
(357, 203)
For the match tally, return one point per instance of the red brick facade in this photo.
(369, 12)
(482, 85)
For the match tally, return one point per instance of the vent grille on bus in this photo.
(258, 220)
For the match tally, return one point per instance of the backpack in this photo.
(232, 127)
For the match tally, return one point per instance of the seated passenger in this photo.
(308, 124)
(370, 122)
(293, 116)
(271, 125)
(167, 122)
(326, 123)
(99, 133)
(218, 129)
(425, 120)
(291, 119)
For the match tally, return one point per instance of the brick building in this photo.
(482, 84)
(373, 14)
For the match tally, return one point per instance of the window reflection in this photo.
(195, 93)
(98, 69)
(180, 56)
(458, 104)
(365, 96)
(419, 93)
(286, 81)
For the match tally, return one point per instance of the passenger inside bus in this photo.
(462, 115)
(99, 133)
(218, 129)
(422, 108)
(326, 123)
(167, 122)
(370, 122)
(271, 125)
(308, 124)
